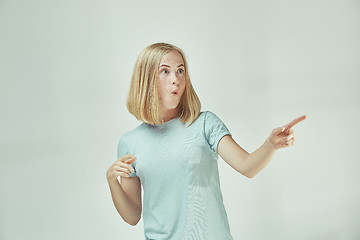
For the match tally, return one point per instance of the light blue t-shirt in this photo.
(177, 167)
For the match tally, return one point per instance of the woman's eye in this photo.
(165, 71)
(181, 71)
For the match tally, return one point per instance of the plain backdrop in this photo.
(65, 70)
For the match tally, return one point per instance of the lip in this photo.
(175, 91)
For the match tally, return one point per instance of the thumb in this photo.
(278, 130)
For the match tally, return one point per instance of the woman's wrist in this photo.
(269, 144)
(112, 181)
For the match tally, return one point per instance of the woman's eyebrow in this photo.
(164, 65)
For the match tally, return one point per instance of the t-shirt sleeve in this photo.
(123, 150)
(214, 130)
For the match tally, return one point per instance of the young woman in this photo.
(173, 154)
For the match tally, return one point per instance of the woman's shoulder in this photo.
(133, 133)
(207, 114)
(212, 120)
(204, 117)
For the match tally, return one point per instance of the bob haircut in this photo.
(143, 101)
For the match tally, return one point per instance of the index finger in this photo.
(295, 121)
(130, 160)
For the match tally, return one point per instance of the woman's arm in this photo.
(127, 207)
(127, 195)
(251, 164)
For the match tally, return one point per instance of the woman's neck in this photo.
(169, 115)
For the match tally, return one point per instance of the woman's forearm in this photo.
(279, 138)
(126, 207)
(257, 160)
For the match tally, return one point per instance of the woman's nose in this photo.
(174, 80)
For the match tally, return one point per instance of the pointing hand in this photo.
(284, 136)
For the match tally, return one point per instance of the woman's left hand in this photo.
(284, 136)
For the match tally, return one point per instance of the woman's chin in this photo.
(171, 108)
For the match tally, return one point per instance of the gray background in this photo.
(65, 69)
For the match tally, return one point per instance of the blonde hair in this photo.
(143, 101)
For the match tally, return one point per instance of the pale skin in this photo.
(127, 195)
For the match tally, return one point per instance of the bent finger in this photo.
(122, 169)
(122, 174)
(124, 158)
(127, 166)
(288, 137)
(130, 160)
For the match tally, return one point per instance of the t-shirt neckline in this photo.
(167, 122)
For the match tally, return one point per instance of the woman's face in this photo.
(172, 82)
